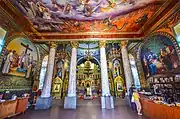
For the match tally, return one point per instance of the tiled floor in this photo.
(87, 109)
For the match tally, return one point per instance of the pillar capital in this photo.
(124, 43)
(102, 43)
(52, 44)
(74, 44)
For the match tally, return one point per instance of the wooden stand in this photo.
(13, 107)
(8, 108)
(21, 105)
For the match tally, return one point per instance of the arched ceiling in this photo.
(64, 19)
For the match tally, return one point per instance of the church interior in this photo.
(90, 59)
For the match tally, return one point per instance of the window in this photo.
(43, 72)
(134, 71)
(2, 37)
(177, 32)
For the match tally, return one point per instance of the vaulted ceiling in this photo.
(72, 19)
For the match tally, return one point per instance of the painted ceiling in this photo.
(78, 16)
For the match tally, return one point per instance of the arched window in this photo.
(43, 72)
(134, 71)
(2, 38)
(177, 32)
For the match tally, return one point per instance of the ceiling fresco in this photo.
(79, 16)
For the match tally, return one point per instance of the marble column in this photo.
(70, 100)
(106, 99)
(126, 65)
(45, 100)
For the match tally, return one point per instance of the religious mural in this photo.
(117, 68)
(158, 55)
(68, 16)
(20, 58)
(57, 87)
(61, 71)
(59, 68)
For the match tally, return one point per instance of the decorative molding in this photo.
(162, 23)
(5, 22)
(175, 18)
(86, 39)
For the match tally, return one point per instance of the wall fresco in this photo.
(158, 56)
(20, 58)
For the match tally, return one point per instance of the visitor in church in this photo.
(123, 92)
(136, 98)
(132, 104)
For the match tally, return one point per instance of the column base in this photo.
(70, 102)
(107, 102)
(43, 103)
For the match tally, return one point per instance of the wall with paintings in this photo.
(159, 56)
(61, 71)
(115, 69)
(165, 27)
(18, 66)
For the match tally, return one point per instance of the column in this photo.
(70, 100)
(106, 99)
(45, 100)
(126, 65)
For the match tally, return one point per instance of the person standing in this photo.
(136, 98)
(28, 72)
(132, 104)
(8, 62)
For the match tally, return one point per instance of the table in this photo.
(159, 111)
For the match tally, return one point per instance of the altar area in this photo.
(88, 80)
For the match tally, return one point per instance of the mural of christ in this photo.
(21, 61)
